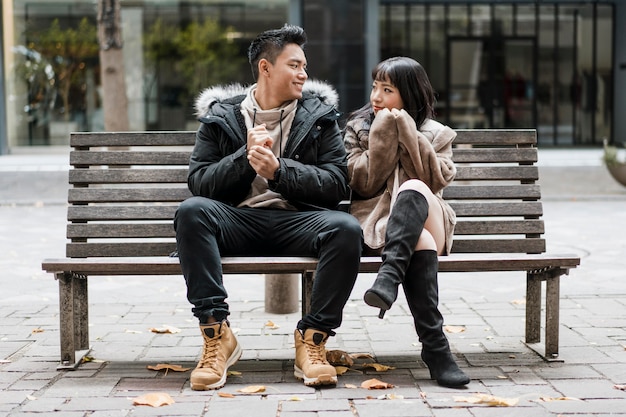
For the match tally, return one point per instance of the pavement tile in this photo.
(591, 389)
(391, 408)
(593, 407)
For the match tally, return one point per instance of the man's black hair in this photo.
(270, 44)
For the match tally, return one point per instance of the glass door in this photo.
(491, 83)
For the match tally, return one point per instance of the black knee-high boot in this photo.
(422, 295)
(404, 228)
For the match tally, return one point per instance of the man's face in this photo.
(288, 74)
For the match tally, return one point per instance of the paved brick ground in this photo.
(584, 214)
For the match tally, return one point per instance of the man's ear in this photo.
(264, 66)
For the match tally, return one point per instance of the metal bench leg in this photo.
(533, 308)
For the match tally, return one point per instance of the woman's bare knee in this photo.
(416, 185)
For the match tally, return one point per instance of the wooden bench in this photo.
(125, 188)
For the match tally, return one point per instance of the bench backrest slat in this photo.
(497, 173)
(127, 195)
(125, 188)
(114, 175)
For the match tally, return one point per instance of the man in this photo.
(267, 171)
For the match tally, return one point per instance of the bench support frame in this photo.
(73, 319)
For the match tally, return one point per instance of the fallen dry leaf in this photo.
(270, 324)
(88, 358)
(522, 301)
(375, 384)
(454, 329)
(489, 400)
(390, 397)
(154, 399)
(252, 389)
(361, 356)
(620, 387)
(167, 367)
(38, 330)
(165, 329)
(341, 369)
(339, 357)
(225, 394)
(233, 373)
(295, 399)
(351, 386)
(377, 366)
(548, 399)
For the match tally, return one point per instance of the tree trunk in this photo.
(114, 99)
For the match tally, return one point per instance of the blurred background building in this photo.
(558, 66)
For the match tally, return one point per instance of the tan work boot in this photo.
(221, 350)
(311, 364)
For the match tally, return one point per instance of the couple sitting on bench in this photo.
(270, 166)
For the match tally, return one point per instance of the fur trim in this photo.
(323, 91)
(209, 96)
(219, 93)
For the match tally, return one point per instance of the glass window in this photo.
(172, 50)
(504, 19)
(525, 20)
(458, 20)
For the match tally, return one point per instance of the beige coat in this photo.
(375, 151)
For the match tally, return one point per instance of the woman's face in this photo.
(385, 95)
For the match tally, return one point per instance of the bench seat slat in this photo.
(259, 265)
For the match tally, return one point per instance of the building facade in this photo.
(554, 65)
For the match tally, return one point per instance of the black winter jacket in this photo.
(313, 171)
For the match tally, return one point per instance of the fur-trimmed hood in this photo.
(218, 94)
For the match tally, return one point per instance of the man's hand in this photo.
(260, 155)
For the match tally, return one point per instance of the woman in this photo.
(399, 161)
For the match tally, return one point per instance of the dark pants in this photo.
(207, 229)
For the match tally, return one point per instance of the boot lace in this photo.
(209, 353)
(316, 353)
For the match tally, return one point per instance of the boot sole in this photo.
(372, 299)
(234, 357)
(323, 379)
